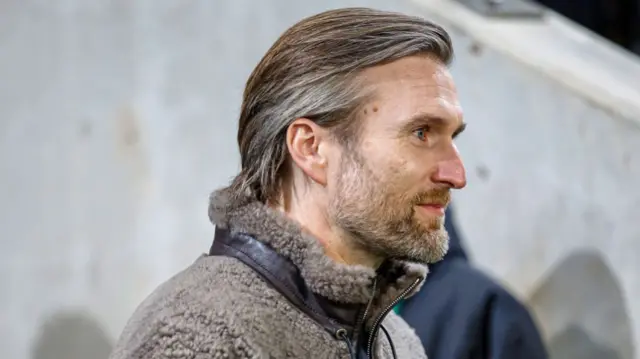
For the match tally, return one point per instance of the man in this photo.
(460, 313)
(347, 155)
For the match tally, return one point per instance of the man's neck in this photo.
(336, 243)
(339, 248)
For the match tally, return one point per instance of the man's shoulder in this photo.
(460, 299)
(487, 305)
(461, 293)
(461, 278)
(486, 289)
(210, 282)
(204, 307)
(404, 338)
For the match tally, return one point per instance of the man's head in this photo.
(347, 124)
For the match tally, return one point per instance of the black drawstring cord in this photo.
(393, 348)
(342, 334)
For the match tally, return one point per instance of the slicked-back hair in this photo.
(310, 72)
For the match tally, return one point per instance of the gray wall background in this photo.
(117, 118)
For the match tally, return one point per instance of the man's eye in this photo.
(421, 133)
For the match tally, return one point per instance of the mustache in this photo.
(440, 196)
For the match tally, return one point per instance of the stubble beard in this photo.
(379, 217)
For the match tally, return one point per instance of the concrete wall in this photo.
(118, 118)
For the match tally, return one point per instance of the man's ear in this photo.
(306, 142)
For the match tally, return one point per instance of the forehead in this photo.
(412, 86)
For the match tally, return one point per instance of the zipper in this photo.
(363, 317)
(376, 324)
(368, 307)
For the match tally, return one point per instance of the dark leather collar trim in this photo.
(285, 277)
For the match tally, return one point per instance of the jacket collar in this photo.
(285, 277)
(331, 280)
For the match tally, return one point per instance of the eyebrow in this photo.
(460, 129)
(425, 119)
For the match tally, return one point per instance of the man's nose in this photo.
(451, 172)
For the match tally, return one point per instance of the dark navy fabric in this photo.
(615, 20)
(460, 313)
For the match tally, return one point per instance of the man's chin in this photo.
(431, 223)
(416, 244)
(432, 248)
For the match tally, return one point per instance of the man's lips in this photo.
(433, 208)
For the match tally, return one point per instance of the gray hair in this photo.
(310, 72)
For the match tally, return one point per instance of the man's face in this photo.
(394, 180)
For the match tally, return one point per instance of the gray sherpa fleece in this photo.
(220, 308)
